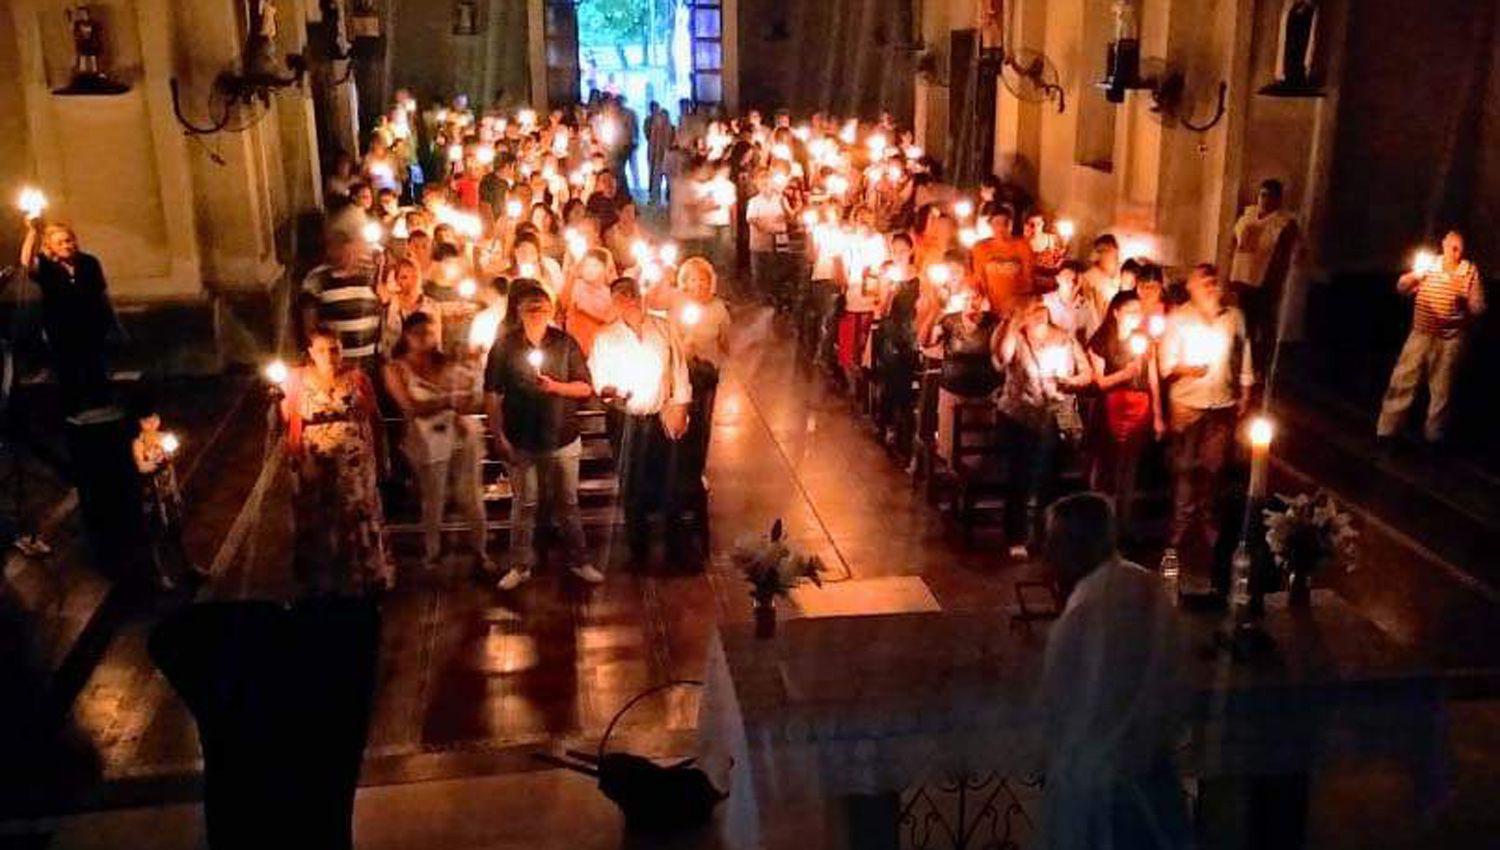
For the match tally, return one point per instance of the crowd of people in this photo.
(497, 263)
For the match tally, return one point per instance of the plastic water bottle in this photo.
(1239, 580)
(1171, 575)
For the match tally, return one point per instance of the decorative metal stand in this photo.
(968, 812)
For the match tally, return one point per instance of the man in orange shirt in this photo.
(1003, 263)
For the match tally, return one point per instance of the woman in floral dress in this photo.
(332, 428)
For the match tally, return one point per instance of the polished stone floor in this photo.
(472, 681)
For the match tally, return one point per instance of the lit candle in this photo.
(781, 151)
(939, 274)
(400, 231)
(1202, 346)
(1262, 431)
(837, 185)
(455, 153)
(1156, 326)
(876, 143)
(963, 208)
(526, 118)
(913, 153)
(1138, 344)
(373, 233)
(1054, 361)
(483, 329)
(668, 254)
(692, 314)
(32, 202)
(1425, 262)
(513, 208)
(485, 154)
(640, 250)
(528, 270)
(276, 373)
(968, 237)
(535, 358)
(850, 132)
(1065, 230)
(467, 288)
(170, 443)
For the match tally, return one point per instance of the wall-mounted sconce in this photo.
(1122, 74)
(238, 101)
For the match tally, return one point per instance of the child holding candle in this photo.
(161, 503)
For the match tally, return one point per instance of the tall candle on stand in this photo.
(1262, 431)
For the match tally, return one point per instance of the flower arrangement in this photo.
(772, 568)
(1309, 532)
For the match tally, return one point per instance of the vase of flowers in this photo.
(773, 569)
(1308, 533)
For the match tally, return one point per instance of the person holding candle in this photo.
(536, 378)
(161, 501)
(1070, 308)
(442, 441)
(586, 302)
(639, 368)
(1448, 296)
(659, 133)
(333, 445)
(1003, 263)
(77, 315)
(769, 217)
(404, 298)
(702, 322)
(1122, 357)
(1043, 367)
(528, 261)
(1204, 359)
(896, 343)
(963, 338)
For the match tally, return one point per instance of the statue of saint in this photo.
(1299, 25)
(88, 42)
(88, 56)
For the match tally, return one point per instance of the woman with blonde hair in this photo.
(702, 322)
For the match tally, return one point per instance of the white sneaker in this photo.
(589, 573)
(513, 579)
(1019, 552)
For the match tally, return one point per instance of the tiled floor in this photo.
(472, 680)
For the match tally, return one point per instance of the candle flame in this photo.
(1065, 230)
(277, 373)
(692, 314)
(534, 357)
(373, 232)
(467, 288)
(170, 443)
(32, 202)
(1262, 431)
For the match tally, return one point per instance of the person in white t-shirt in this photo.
(767, 214)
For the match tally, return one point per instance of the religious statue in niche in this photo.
(1295, 46)
(262, 55)
(88, 76)
(465, 18)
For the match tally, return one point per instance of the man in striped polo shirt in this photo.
(1449, 296)
(340, 295)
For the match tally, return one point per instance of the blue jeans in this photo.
(552, 476)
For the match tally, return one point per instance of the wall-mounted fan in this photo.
(1032, 78)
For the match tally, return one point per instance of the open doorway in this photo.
(638, 48)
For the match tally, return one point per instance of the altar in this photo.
(833, 711)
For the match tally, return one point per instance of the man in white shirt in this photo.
(1113, 692)
(767, 214)
(639, 369)
(1264, 238)
(1205, 361)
